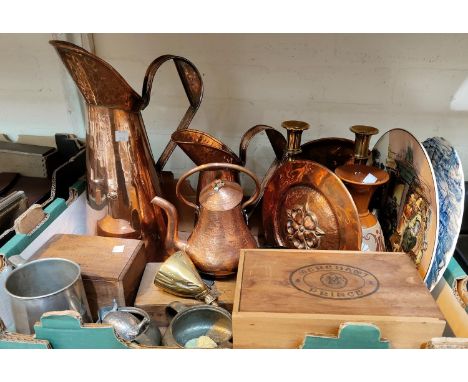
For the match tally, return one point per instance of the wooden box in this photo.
(154, 300)
(281, 295)
(110, 267)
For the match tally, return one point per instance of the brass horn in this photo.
(178, 276)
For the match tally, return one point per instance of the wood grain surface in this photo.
(99, 257)
(276, 305)
(110, 267)
(154, 300)
(267, 287)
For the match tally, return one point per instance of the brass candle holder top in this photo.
(361, 142)
(295, 129)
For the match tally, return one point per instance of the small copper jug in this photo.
(221, 230)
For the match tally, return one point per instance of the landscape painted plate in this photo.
(409, 205)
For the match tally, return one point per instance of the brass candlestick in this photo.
(361, 142)
(295, 129)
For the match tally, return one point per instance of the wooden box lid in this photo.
(331, 283)
(99, 257)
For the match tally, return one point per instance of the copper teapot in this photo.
(221, 230)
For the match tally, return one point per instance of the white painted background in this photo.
(330, 81)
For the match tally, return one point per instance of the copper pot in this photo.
(221, 230)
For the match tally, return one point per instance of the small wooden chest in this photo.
(110, 267)
(154, 300)
(281, 295)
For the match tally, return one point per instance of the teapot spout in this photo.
(172, 236)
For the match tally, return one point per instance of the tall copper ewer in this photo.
(122, 176)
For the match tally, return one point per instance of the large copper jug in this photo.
(122, 176)
(221, 230)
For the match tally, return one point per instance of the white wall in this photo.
(330, 81)
(32, 97)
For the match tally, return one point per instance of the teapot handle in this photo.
(210, 166)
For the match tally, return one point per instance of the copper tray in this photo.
(329, 152)
(306, 206)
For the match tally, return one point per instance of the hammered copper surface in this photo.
(121, 174)
(306, 206)
(329, 152)
(202, 148)
(221, 231)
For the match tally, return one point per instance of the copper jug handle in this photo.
(277, 141)
(193, 85)
(210, 166)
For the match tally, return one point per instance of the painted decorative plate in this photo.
(451, 189)
(409, 206)
(306, 206)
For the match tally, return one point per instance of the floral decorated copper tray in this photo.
(306, 206)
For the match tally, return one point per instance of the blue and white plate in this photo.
(451, 189)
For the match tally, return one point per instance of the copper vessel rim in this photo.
(382, 176)
(364, 129)
(78, 49)
(295, 125)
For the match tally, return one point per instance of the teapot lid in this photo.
(221, 195)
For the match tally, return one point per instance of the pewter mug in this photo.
(195, 321)
(42, 286)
